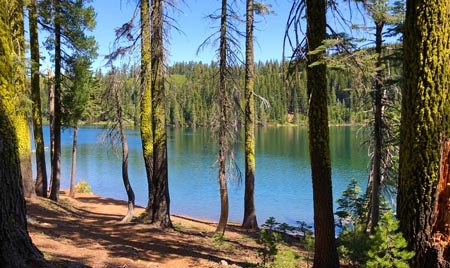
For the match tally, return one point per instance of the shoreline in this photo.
(85, 232)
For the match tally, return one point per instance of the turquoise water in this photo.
(283, 179)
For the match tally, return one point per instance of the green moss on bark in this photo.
(426, 73)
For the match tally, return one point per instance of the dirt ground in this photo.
(85, 232)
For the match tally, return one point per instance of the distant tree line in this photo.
(191, 88)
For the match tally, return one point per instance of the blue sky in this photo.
(195, 28)
(190, 18)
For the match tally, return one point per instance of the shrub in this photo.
(285, 258)
(273, 253)
(354, 245)
(269, 238)
(83, 187)
(388, 247)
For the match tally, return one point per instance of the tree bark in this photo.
(146, 103)
(220, 230)
(160, 181)
(325, 253)
(74, 162)
(249, 221)
(424, 120)
(21, 121)
(56, 160)
(16, 247)
(441, 229)
(41, 170)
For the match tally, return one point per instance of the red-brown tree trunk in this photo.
(325, 252)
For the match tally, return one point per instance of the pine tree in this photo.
(74, 98)
(67, 21)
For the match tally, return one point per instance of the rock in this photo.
(224, 262)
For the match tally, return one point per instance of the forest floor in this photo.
(85, 232)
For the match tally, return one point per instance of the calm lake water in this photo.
(283, 178)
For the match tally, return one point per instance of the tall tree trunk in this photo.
(424, 120)
(378, 131)
(223, 123)
(74, 162)
(146, 102)
(325, 253)
(41, 170)
(21, 121)
(56, 160)
(249, 221)
(16, 247)
(160, 182)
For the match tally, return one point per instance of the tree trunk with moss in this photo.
(160, 211)
(16, 247)
(249, 221)
(424, 122)
(21, 122)
(41, 170)
(146, 102)
(325, 252)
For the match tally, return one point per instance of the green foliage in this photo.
(351, 206)
(354, 245)
(273, 253)
(387, 246)
(351, 213)
(285, 258)
(191, 91)
(75, 18)
(83, 187)
(220, 241)
(269, 238)
(76, 93)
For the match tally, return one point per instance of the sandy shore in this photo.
(85, 232)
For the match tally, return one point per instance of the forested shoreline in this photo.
(281, 100)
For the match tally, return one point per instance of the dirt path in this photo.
(84, 232)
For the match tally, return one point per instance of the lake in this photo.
(283, 186)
